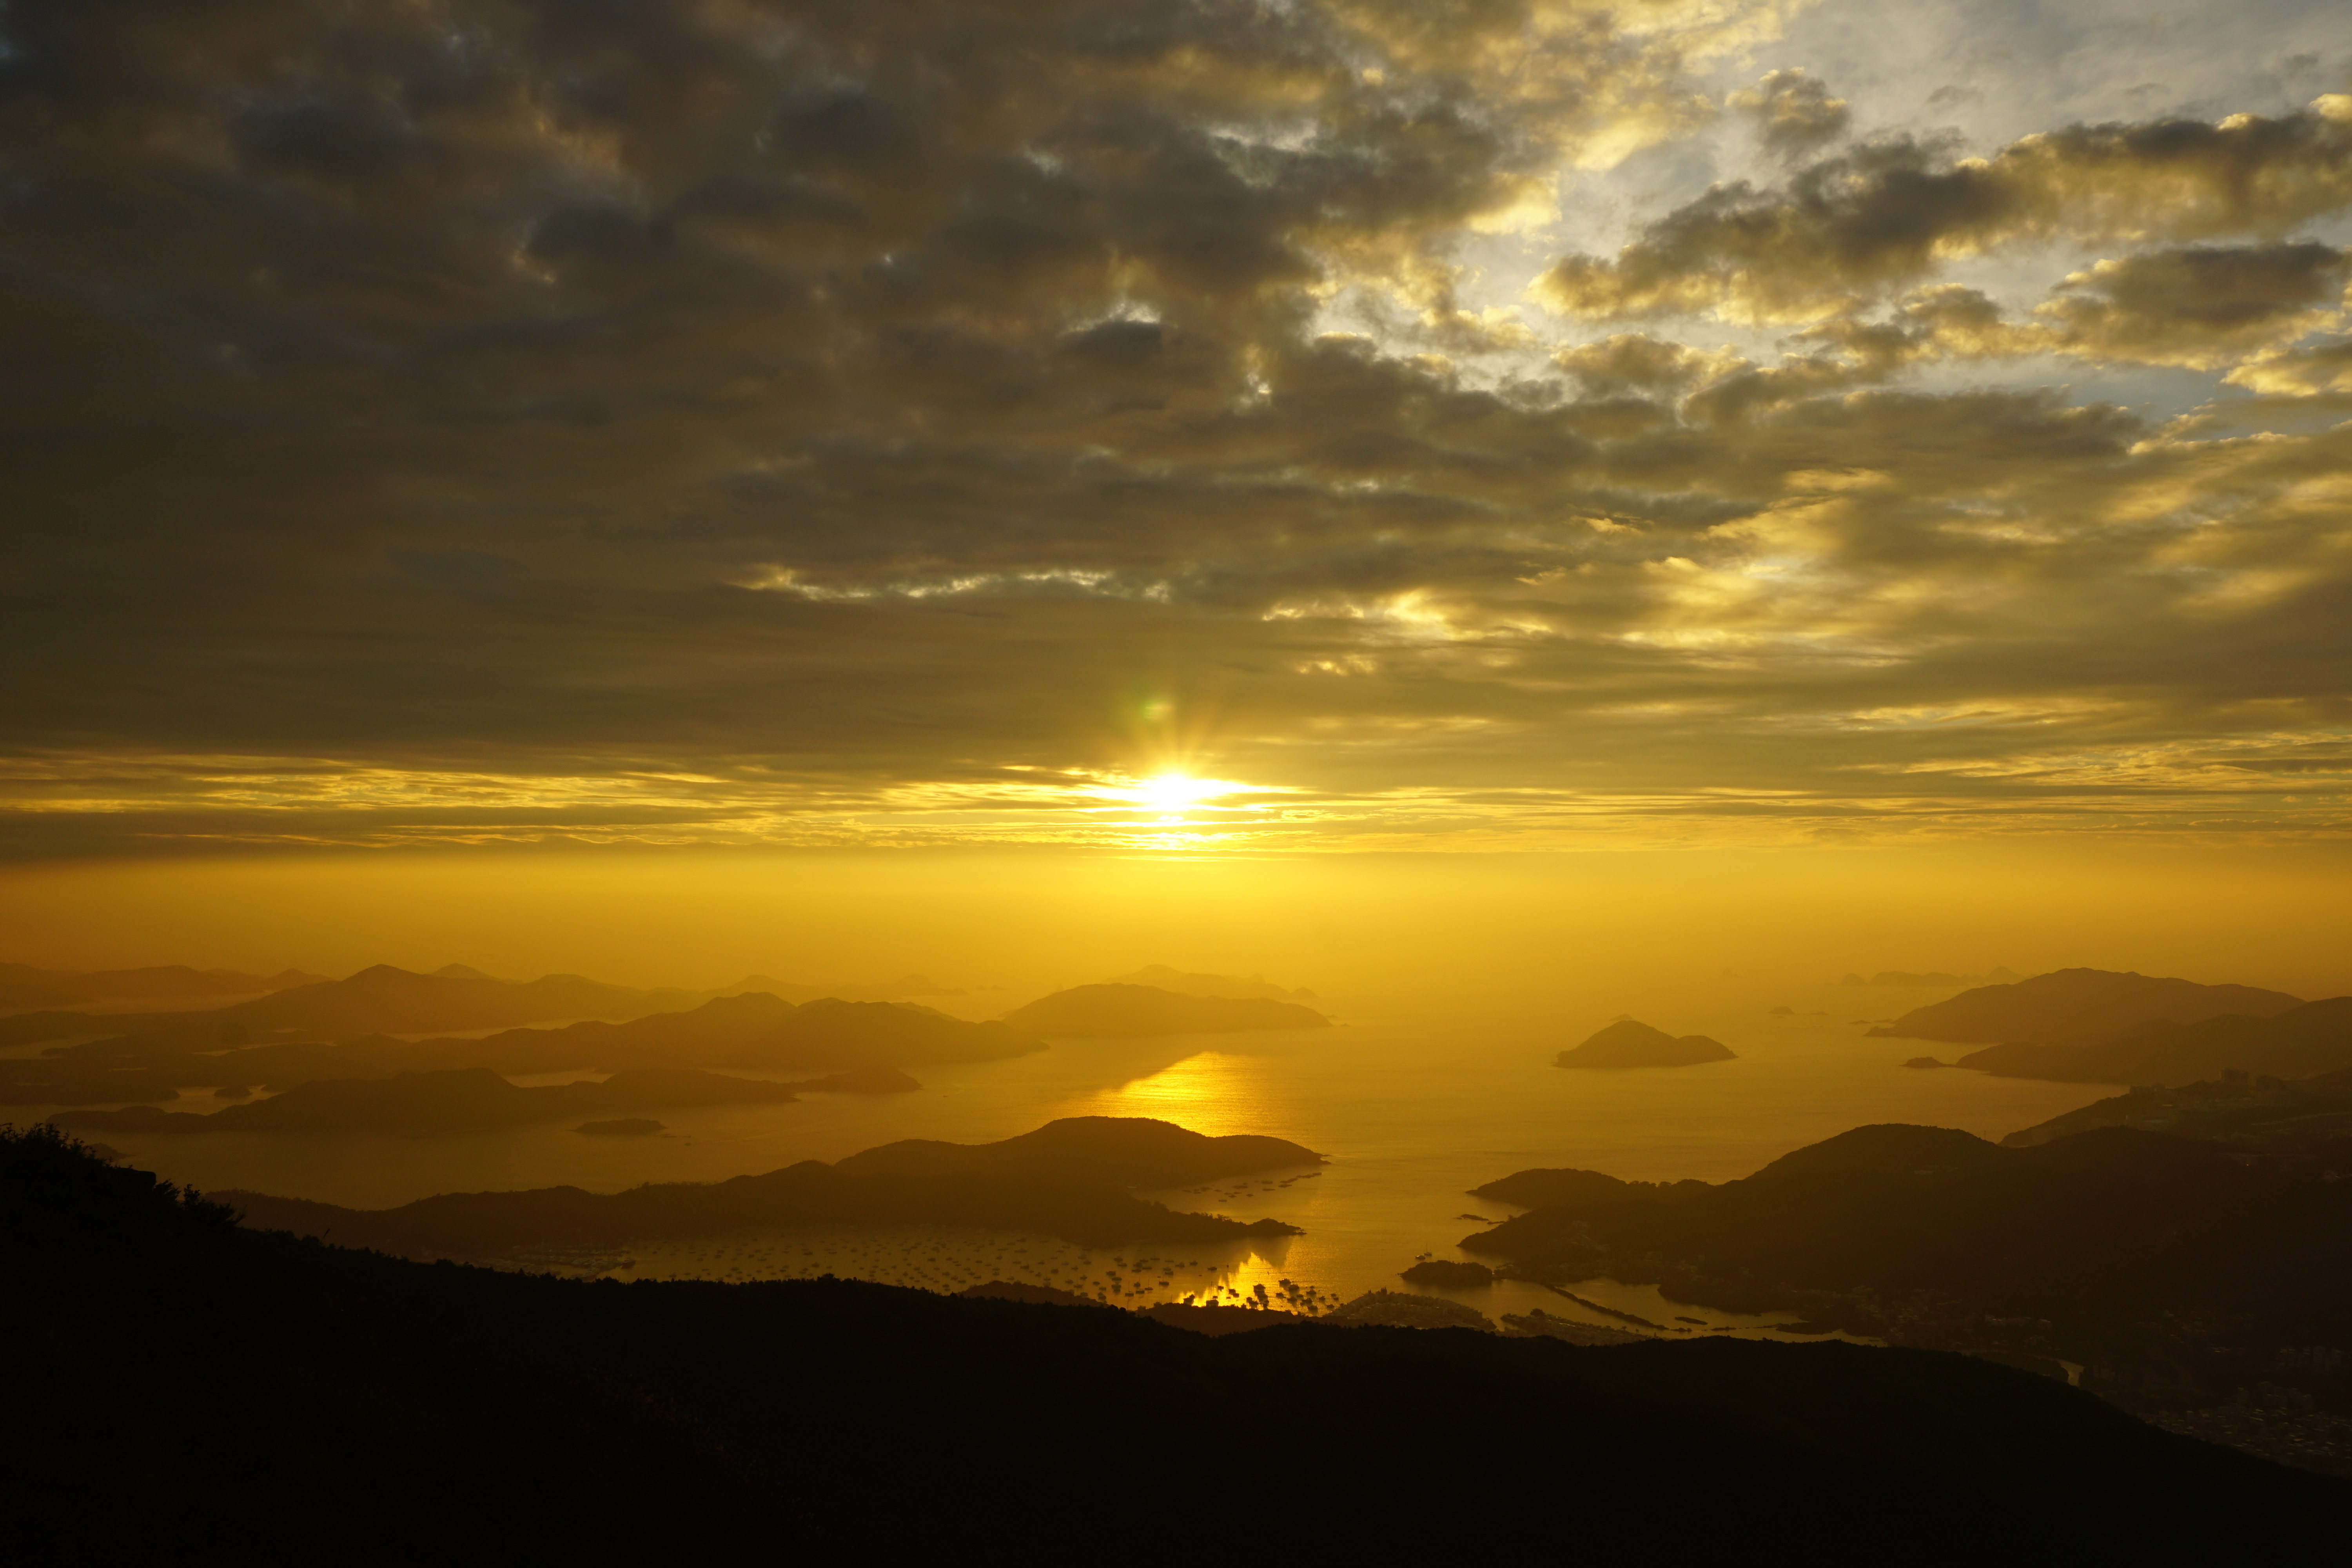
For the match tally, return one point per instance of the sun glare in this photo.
(1176, 792)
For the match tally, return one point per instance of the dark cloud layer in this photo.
(755, 421)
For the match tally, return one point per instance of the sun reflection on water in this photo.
(1212, 1093)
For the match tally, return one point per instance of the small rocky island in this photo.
(1627, 1043)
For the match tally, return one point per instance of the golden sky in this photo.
(1215, 429)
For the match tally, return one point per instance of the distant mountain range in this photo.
(1125, 1011)
(754, 1031)
(381, 998)
(23, 987)
(460, 1100)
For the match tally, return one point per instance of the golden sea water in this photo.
(1412, 1101)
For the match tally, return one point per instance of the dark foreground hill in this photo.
(1068, 1179)
(2074, 1006)
(1124, 1012)
(180, 1384)
(2179, 1275)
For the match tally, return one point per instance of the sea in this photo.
(1411, 1100)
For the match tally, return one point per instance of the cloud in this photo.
(2199, 307)
(2196, 307)
(1792, 112)
(1890, 213)
(2298, 372)
(794, 422)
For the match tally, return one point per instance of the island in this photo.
(1068, 1179)
(1628, 1042)
(2300, 1042)
(2089, 1240)
(2078, 1004)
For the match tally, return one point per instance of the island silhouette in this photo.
(2091, 1246)
(2297, 1042)
(1070, 1179)
(2074, 1006)
(2302, 1124)
(1628, 1042)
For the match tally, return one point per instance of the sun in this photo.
(1175, 792)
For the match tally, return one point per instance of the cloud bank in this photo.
(766, 421)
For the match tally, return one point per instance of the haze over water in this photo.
(1414, 1099)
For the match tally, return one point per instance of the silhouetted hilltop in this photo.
(463, 1099)
(1402, 1309)
(1035, 1295)
(2295, 1123)
(2314, 1037)
(2089, 1248)
(1220, 1320)
(1540, 1324)
(1255, 986)
(390, 1411)
(2078, 1004)
(1127, 1011)
(1125, 1150)
(1629, 1043)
